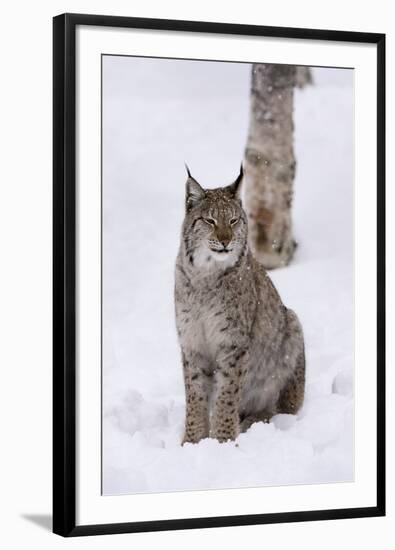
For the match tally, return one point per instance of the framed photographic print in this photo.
(219, 275)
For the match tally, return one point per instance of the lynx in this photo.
(242, 349)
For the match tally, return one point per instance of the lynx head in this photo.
(215, 225)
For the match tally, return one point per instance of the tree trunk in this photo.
(270, 161)
(303, 76)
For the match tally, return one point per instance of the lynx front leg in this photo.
(197, 393)
(231, 368)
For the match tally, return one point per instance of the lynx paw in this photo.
(192, 438)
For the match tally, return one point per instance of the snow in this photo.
(158, 114)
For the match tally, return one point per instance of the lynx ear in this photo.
(235, 187)
(194, 192)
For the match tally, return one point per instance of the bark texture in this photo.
(303, 76)
(270, 161)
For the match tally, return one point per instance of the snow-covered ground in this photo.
(158, 113)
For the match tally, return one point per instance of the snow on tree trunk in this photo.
(270, 161)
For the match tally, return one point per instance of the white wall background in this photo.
(25, 275)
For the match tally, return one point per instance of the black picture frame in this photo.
(64, 273)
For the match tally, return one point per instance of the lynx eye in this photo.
(210, 221)
(233, 221)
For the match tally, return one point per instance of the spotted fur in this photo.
(242, 349)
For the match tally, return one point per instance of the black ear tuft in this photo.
(187, 169)
(235, 187)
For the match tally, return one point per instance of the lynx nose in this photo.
(225, 241)
(224, 236)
